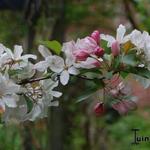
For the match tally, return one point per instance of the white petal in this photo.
(110, 39)
(41, 66)
(9, 53)
(120, 33)
(54, 103)
(73, 70)
(11, 88)
(35, 112)
(17, 51)
(2, 48)
(55, 93)
(88, 64)
(56, 63)
(2, 105)
(28, 56)
(44, 51)
(64, 77)
(10, 101)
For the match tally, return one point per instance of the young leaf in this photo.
(143, 72)
(124, 74)
(90, 91)
(55, 46)
(29, 103)
(130, 60)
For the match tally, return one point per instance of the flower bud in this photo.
(99, 52)
(96, 36)
(99, 109)
(96, 64)
(115, 48)
(124, 106)
(81, 55)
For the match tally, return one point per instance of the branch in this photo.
(49, 76)
(33, 80)
(130, 14)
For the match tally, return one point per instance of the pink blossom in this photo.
(96, 63)
(124, 106)
(81, 55)
(115, 48)
(99, 52)
(85, 47)
(96, 36)
(99, 109)
(86, 44)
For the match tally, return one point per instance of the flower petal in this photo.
(64, 77)
(10, 101)
(55, 93)
(18, 50)
(56, 63)
(24, 57)
(41, 66)
(110, 39)
(44, 51)
(120, 33)
(73, 70)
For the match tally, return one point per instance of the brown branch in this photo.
(49, 76)
(130, 14)
(33, 80)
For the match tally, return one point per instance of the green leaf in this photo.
(14, 72)
(29, 103)
(124, 74)
(103, 44)
(85, 95)
(93, 70)
(55, 46)
(92, 75)
(116, 62)
(130, 60)
(143, 81)
(98, 84)
(143, 72)
(109, 75)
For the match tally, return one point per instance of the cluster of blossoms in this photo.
(27, 88)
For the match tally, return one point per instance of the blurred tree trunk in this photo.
(131, 14)
(31, 20)
(55, 120)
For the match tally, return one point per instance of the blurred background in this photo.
(73, 126)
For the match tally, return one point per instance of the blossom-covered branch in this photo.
(27, 89)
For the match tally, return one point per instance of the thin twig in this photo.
(33, 80)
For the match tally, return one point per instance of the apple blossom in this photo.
(124, 106)
(27, 88)
(99, 109)
(8, 93)
(96, 36)
(120, 36)
(115, 48)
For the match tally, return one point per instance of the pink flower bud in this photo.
(96, 36)
(99, 109)
(99, 52)
(97, 64)
(81, 55)
(115, 48)
(124, 106)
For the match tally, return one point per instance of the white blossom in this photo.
(120, 36)
(8, 93)
(45, 100)
(57, 64)
(16, 59)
